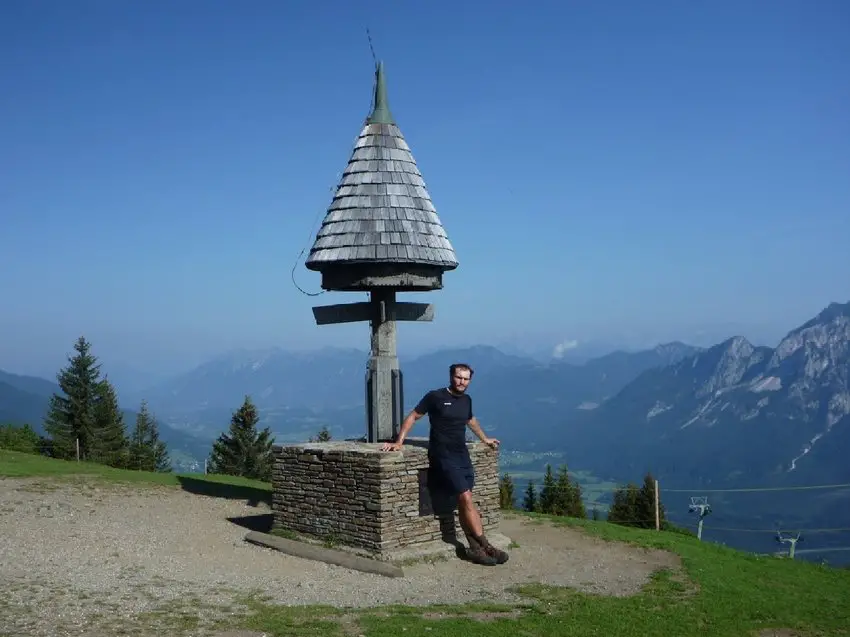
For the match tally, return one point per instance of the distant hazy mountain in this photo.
(320, 379)
(23, 398)
(19, 407)
(29, 384)
(334, 378)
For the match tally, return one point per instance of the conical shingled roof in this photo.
(381, 212)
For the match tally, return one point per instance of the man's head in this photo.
(459, 376)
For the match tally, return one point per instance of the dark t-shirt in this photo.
(448, 415)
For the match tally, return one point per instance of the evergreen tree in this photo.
(71, 416)
(243, 451)
(323, 436)
(109, 443)
(624, 508)
(549, 492)
(645, 506)
(595, 513)
(147, 451)
(577, 509)
(530, 502)
(506, 492)
(568, 500)
(562, 501)
(161, 458)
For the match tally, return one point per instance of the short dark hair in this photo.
(456, 366)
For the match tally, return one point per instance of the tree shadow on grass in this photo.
(252, 495)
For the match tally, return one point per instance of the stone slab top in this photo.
(414, 446)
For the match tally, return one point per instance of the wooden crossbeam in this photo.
(367, 310)
(413, 311)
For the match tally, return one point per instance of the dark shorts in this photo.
(451, 475)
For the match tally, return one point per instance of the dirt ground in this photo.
(76, 557)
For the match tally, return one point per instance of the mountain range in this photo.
(299, 392)
(732, 418)
(729, 416)
(751, 413)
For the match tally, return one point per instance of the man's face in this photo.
(460, 380)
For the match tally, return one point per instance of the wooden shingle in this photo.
(381, 212)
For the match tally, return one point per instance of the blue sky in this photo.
(615, 171)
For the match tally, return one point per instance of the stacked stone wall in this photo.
(355, 495)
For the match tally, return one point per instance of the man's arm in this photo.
(416, 413)
(407, 425)
(475, 426)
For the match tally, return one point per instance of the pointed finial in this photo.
(381, 112)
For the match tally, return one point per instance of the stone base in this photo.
(353, 496)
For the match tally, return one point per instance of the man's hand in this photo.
(392, 446)
(491, 442)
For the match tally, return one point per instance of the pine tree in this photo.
(567, 499)
(624, 508)
(562, 501)
(549, 491)
(576, 505)
(645, 506)
(506, 492)
(71, 416)
(243, 451)
(530, 502)
(139, 458)
(109, 444)
(161, 458)
(147, 451)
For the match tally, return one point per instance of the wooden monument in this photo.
(381, 235)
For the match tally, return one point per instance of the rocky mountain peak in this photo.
(823, 342)
(814, 364)
(727, 364)
(674, 351)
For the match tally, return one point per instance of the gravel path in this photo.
(89, 558)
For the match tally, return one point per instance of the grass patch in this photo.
(722, 592)
(14, 464)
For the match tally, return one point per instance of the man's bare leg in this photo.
(470, 522)
(470, 519)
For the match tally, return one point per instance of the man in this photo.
(450, 413)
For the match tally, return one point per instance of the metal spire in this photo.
(381, 111)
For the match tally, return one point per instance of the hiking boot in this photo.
(491, 551)
(500, 556)
(478, 555)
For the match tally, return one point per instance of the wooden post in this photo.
(384, 386)
(657, 508)
(383, 395)
(78, 449)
